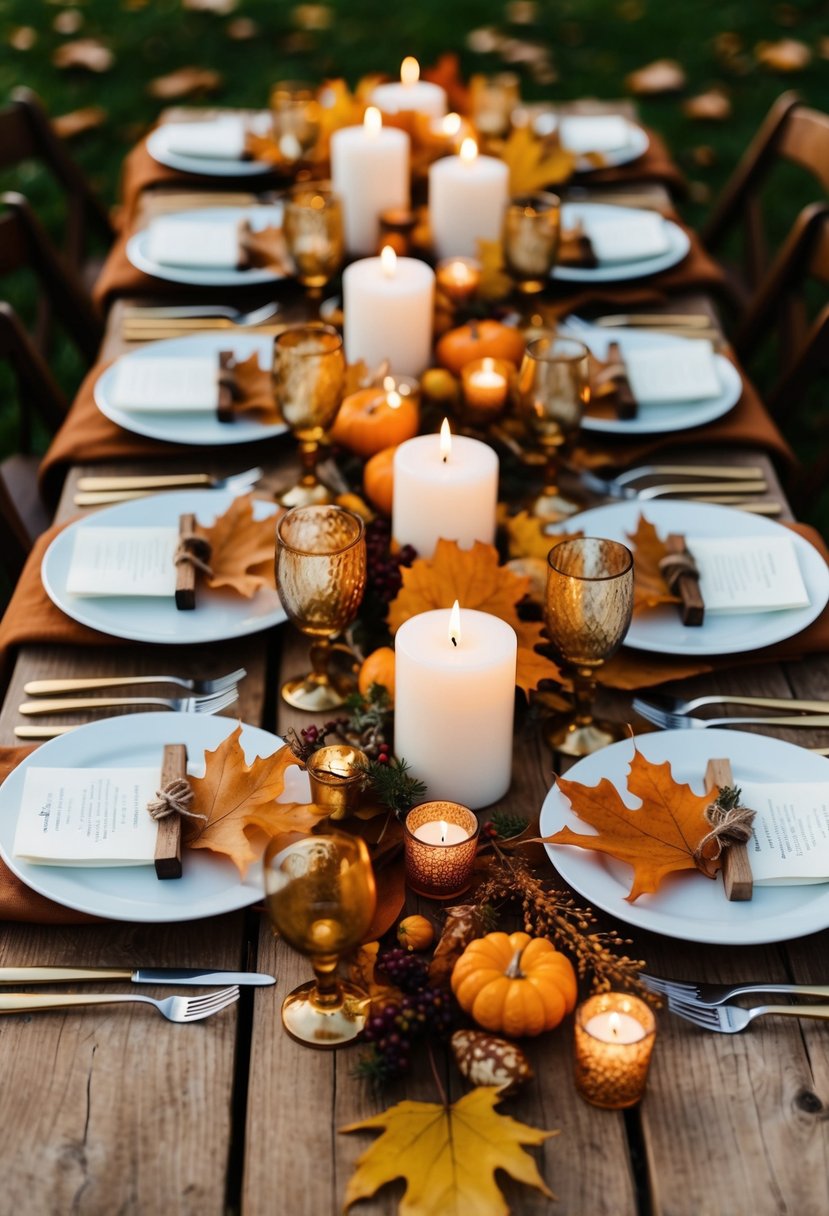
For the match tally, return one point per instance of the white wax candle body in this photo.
(467, 200)
(455, 499)
(422, 96)
(441, 832)
(389, 316)
(454, 704)
(487, 380)
(615, 1028)
(370, 173)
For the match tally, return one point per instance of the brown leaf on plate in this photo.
(649, 588)
(67, 126)
(661, 76)
(713, 106)
(787, 55)
(185, 82)
(86, 53)
(253, 391)
(659, 838)
(22, 38)
(242, 548)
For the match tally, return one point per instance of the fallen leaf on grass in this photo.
(787, 55)
(185, 82)
(222, 7)
(661, 76)
(242, 548)
(68, 22)
(242, 29)
(657, 839)
(67, 126)
(713, 106)
(23, 38)
(447, 1156)
(87, 53)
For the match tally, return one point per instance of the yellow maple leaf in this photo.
(533, 164)
(447, 1156)
(474, 578)
(241, 548)
(526, 536)
(238, 800)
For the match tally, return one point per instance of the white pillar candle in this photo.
(410, 93)
(444, 486)
(388, 303)
(370, 173)
(468, 195)
(453, 703)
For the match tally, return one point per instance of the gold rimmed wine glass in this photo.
(552, 390)
(321, 897)
(321, 576)
(313, 228)
(587, 611)
(308, 377)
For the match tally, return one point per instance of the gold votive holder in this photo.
(485, 384)
(532, 232)
(458, 278)
(441, 841)
(614, 1039)
(492, 100)
(337, 779)
(396, 226)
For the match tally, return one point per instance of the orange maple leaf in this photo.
(447, 73)
(649, 587)
(238, 800)
(533, 164)
(660, 837)
(474, 578)
(242, 549)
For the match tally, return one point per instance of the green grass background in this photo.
(590, 45)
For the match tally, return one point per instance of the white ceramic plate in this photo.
(196, 276)
(660, 629)
(636, 146)
(199, 429)
(210, 884)
(658, 418)
(158, 146)
(678, 245)
(218, 615)
(690, 906)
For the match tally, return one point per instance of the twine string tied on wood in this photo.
(175, 798)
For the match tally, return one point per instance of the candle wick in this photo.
(454, 641)
(445, 458)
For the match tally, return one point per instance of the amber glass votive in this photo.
(458, 278)
(485, 384)
(441, 840)
(615, 1034)
(337, 777)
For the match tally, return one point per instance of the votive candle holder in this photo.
(440, 869)
(614, 1038)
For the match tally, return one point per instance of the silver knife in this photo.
(145, 975)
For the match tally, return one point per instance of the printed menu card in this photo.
(123, 561)
(790, 841)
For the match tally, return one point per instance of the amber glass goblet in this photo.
(321, 576)
(552, 390)
(532, 232)
(308, 377)
(313, 228)
(321, 896)
(587, 611)
(296, 115)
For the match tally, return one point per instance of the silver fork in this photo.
(676, 705)
(173, 1008)
(184, 705)
(731, 1019)
(183, 312)
(717, 994)
(672, 721)
(39, 688)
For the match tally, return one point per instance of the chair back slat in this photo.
(16, 140)
(805, 141)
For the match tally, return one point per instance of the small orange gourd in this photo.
(514, 984)
(378, 668)
(415, 933)
(378, 480)
(477, 340)
(371, 419)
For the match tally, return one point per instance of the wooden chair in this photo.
(791, 133)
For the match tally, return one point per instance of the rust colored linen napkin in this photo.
(17, 901)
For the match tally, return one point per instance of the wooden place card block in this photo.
(736, 865)
(168, 841)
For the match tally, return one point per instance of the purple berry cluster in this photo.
(423, 1012)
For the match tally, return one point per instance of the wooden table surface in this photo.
(114, 1110)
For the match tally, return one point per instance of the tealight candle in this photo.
(468, 194)
(614, 1039)
(370, 173)
(458, 278)
(485, 383)
(453, 703)
(441, 840)
(448, 133)
(388, 304)
(444, 486)
(410, 93)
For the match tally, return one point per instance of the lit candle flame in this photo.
(443, 828)
(393, 399)
(469, 151)
(487, 364)
(410, 70)
(613, 1024)
(372, 121)
(388, 261)
(451, 124)
(445, 441)
(455, 624)
(460, 273)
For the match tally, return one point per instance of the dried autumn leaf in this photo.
(474, 578)
(86, 53)
(242, 548)
(238, 800)
(23, 38)
(713, 106)
(222, 7)
(526, 536)
(184, 82)
(787, 55)
(68, 22)
(67, 126)
(534, 164)
(649, 589)
(312, 16)
(447, 73)
(484, 41)
(661, 76)
(242, 29)
(656, 839)
(463, 924)
(447, 1156)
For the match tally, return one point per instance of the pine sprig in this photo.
(393, 785)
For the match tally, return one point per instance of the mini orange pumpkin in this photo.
(370, 420)
(378, 479)
(479, 339)
(514, 984)
(378, 668)
(415, 933)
